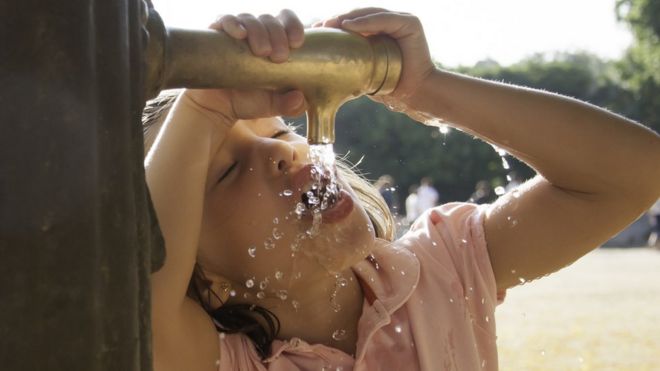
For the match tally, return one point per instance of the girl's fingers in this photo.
(257, 35)
(336, 21)
(394, 24)
(231, 25)
(278, 38)
(295, 31)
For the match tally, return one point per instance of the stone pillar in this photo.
(78, 236)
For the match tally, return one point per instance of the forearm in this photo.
(176, 170)
(574, 145)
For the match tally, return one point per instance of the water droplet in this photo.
(252, 251)
(513, 271)
(275, 221)
(515, 193)
(297, 275)
(403, 273)
(279, 275)
(263, 284)
(451, 300)
(269, 244)
(261, 295)
(335, 307)
(499, 190)
(397, 329)
(487, 319)
(287, 192)
(522, 280)
(232, 293)
(282, 294)
(300, 209)
(339, 334)
(249, 283)
(277, 234)
(251, 169)
(295, 246)
(295, 304)
(483, 300)
(341, 282)
(434, 243)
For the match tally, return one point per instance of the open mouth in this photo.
(321, 194)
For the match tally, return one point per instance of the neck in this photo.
(332, 304)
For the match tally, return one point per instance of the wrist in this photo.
(193, 116)
(189, 109)
(423, 105)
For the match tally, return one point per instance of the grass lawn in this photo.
(601, 313)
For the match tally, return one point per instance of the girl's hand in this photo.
(267, 36)
(407, 30)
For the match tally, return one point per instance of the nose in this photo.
(281, 156)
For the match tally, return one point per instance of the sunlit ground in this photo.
(601, 313)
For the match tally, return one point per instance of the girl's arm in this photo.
(176, 170)
(598, 171)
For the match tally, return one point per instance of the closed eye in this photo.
(226, 173)
(277, 134)
(280, 133)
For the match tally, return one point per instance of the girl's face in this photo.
(251, 233)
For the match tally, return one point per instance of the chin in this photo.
(340, 245)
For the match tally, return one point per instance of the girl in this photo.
(251, 282)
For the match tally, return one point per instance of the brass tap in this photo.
(332, 67)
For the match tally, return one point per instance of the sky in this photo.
(459, 32)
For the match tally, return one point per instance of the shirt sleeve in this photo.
(452, 236)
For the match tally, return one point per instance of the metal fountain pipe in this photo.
(332, 67)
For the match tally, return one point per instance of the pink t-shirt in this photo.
(434, 306)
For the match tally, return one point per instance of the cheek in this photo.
(245, 239)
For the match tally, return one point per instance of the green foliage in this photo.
(384, 142)
(640, 67)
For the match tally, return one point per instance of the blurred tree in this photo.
(640, 67)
